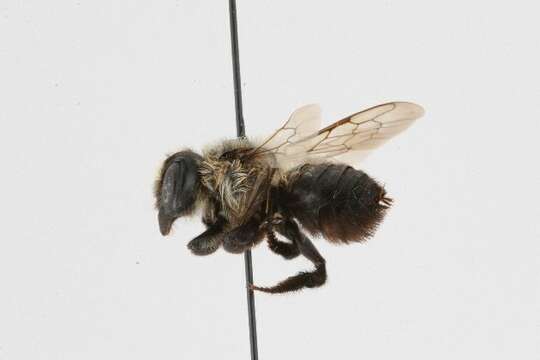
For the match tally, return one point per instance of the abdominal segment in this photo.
(336, 201)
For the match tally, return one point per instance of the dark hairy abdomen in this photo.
(335, 200)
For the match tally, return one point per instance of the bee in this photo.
(296, 181)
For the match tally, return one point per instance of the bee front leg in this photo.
(310, 279)
(243, 237)
(210, 240)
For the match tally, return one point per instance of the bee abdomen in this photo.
(337, 201)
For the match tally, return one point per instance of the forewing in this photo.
(357, 134)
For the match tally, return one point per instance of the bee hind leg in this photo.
(310, 279)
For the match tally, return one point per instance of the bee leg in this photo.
(209, 241)
(287, 250)
(311, 279)
(243, 237)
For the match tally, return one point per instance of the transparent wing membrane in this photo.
(357, 134)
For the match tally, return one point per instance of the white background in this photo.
(93, 94)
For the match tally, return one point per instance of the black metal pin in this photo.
(241, 132)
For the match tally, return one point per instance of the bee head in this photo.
(177, 188)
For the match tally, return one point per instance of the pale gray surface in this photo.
(94, 93)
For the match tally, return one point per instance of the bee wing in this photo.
(302, 122)
(355, 135)
(358, 133)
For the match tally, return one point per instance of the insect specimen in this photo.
(296, 181)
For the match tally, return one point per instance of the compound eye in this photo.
(171, 188)
(178, 191)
